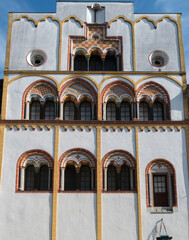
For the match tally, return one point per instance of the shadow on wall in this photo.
(1, 93)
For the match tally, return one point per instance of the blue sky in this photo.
(141, 6)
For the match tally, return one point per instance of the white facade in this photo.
(42, 68)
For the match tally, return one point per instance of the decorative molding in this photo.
(181, 47)
(9, 36)
(36, 22)
(99, 184)
(55, 183)
(117, 18)
(4, 98)
(2, 129)
(138, 183)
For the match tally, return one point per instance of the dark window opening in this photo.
(111, 111)
(85, 110)
(49, 110)
(30, 178)
(80, 63)
(69, 111)
(43, 178)
(157, 111)
(95, 63)
(35, 110)
(85, 178)
(110, 63)
(111, 174)
(125, 111)
(125, 178)
(70, 178)
(143, 111)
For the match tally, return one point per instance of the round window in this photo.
(158, 58)
(36, 58)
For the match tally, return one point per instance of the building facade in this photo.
(94, 134)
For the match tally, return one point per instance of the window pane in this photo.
(80, 63)
(85, 178)
(43, 177)
(49, 111)
(125, 178)
(110, 63)
(111, 178)
(111, 111)
(30, 178)
(143, 111)
(70, 178)
(35, 110)
(157, 111)
(125, 111)
(95, 63)
(85, 109)
(69, 111)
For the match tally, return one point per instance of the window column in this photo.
(27, 116)
(62, 170)
(22, 178)
(61, 110)
(105, 178)
(104, 111)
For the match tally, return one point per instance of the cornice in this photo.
(154, 73)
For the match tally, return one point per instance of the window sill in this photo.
(119, 192)
(162, 210)
(76, 191)
(18, 191)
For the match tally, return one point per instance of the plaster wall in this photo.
(170, 146)
(111, 140)
(119, 216)
(122, 28)
(77, 139)
(21, 210)
(27, 37)
(148, 39)
(76, 216)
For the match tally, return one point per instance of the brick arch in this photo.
(156, 90)
(106, 161)
(86, 153)
(171, 169)
(112, 84)
(26, 154)
(30, 87)
(78, 80)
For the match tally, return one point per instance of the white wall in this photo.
(76, 216)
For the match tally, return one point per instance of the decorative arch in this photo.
(41, 88)
(118, 91)
(119, 171)
(81, 161)
(77, 157)
(35, 157)
(119, 158)
(154, 91)
(77, 87)
(162, 165)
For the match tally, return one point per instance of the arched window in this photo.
(43, 178)
(85, 178)
(85, 111)
(95, 63)
(125, 178)
(157, 111)
(143, 111)
(161, 185)
(110, 63)
(80, 63)
(111, 177)
(70, 178)
(125, 111)
(35, 110)
(111, 111)
(49, 110)
(29, 178)
(69, 111)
